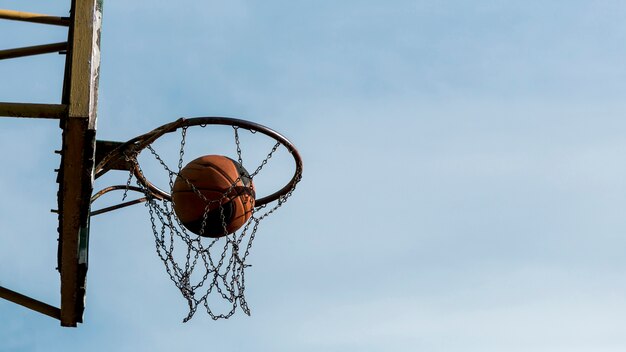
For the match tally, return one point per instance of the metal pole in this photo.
(45, 111)
(32, 50)
(30, 303)
(34, 17)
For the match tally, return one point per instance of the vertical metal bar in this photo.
(80, 94)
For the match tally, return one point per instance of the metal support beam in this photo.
(33, 50)
(43, 111)
(34, 17)
(103, 148)
(30, 303)
(77, 162)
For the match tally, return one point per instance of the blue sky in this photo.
(463, 187)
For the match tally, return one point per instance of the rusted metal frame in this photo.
(105, 148)
(119, 206)
(34, 17)
(77, 162)
(75, 189)
(43, 111)
(106, 190)
(137, 144)
(32, 50)
(30, 303)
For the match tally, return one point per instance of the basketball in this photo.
(219, 186)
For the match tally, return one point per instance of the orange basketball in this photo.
(223, 189)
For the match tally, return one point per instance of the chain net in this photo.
(208, 272)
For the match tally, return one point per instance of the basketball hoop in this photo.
(208, 272)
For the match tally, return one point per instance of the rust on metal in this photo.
(34, 17)
(104, 148)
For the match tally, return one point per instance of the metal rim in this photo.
(139, 143)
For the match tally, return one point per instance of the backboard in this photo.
(75, 178)
(77, 116)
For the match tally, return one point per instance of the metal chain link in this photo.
(238, 144)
